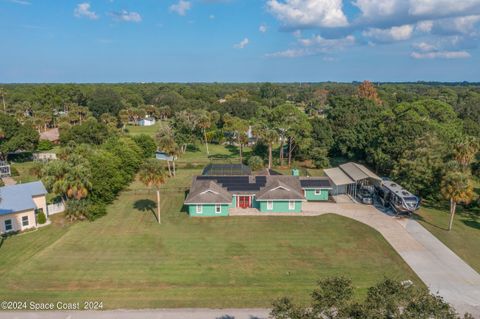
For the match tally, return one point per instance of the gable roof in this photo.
(207, 192)
(17, 198)
(337, 176)
(353, 171)
(281, 188)
(52, 135)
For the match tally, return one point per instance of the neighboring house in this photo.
(216, 195)
(19, 204)
(52, 135)
(147, 121)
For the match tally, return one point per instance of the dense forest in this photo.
(424, 135)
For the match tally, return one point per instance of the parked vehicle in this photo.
(365, 195)
(399, 199)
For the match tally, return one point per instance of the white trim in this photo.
(290, 202)
(23, 221)
(197, 211)
(278, 188)
(5, 225)
(209, 191)
(281, 200)
(219, 207)
(310, 188)
(226, 203)
(318, 191)
(269, 205)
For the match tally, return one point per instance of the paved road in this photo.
(144, 314)
(439, 268)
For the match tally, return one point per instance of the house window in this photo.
(318, 191)
(8, 225)
(199, 209)
(291, 205)
(25, 221)
(218, 209)
(269, 205)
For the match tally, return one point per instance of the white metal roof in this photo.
(338, 177)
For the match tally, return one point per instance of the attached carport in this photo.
(341, 183)
(360, 175)
(347, 177)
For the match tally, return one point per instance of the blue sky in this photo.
(239, 40)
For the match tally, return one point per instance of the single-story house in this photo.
(147, 121)
(216, 195)
(19, 205)
(346, 178)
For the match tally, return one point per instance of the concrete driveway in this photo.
(438, 267)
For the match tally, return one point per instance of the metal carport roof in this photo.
(338, 177)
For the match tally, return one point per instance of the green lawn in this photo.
(463, 239)
(127, 260)
(149, 130)
(24, 174)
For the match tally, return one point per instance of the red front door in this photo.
(243, 201)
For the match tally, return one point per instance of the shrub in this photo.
(146, 143)
(255, 163)
(41, 218)
(44, 145)
(14, 171)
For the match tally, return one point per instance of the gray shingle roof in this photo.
(207, 192)
(17, 198)
(281, 188)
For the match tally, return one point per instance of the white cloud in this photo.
(441, 55)
(424, 26)
(22, 2)
(211, 17)
(373, 9)
(242, 44)
(315, 45)
(181, 7)
(309, 13)
(83, 11)
(263, 28)
(443, 8)
(126, 16)
(425, 47)
(400, 33)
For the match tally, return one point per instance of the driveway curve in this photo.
(435, 264)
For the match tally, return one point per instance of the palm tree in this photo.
(465, 152)
(152, 174)
(270, 137)
(458, 188)
(204, 123)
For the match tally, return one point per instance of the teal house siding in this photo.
(311, 196)
(208, 210)
(279, 207)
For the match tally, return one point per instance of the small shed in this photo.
(147, 121)
(162, 156)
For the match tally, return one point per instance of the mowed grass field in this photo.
(463, 239)
(127, 260)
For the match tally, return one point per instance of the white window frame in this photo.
(25, 219)
(199, 209)
(291, 205)
(318, 191)
(269, 205)
(218, 209)
(10, 225)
